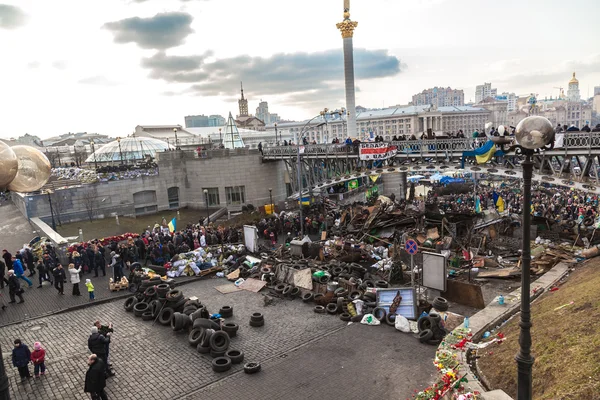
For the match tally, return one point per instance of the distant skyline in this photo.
(106, 66)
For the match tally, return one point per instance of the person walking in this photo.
(14, 287)
(20, 359)
(42, 273)
(3, 280)
(19, 271)
(106, 331)
(97, 345)
(7, 258)
(95, 380)
(99, 262)
(90, 288)
(75, 279)
(59, 278)
(38, 358)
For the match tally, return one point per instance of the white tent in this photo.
(231, 135)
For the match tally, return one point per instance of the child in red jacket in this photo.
(38, 356)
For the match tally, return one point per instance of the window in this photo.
(236, 195)
(173, 195)
(213, 196)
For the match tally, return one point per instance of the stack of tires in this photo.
(431, 328)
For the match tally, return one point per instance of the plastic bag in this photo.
(402, 324)
(369, 319)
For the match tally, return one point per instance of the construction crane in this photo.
(561, 94)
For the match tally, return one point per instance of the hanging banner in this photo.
(353, 184)
(374, 177)
(377, 151)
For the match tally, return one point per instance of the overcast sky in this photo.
(108, 65)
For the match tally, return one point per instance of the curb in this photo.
(491, 316)
(125, 294)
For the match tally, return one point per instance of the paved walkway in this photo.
(304, 355)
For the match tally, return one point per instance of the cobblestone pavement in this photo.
(299, 349)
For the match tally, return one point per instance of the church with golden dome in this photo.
(573, 91)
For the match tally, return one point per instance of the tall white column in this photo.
(350, 94)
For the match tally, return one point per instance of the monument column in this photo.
(347, 27)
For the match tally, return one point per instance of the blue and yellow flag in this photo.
(500, 204)
(477, 205)
(173, 225)
(485, 152)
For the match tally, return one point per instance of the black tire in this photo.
(155, 307)
(215, 354)
(435, 318)
(379, 313)
(150, 292)
(219, 341)
(226, 311)
(202, 350)
(307, 297)
(174, 295)
(340, 292)
(236, 356)
(280, 287)
(162, 289)
(332, 308)
(440, 304)
(294, 292)
(206, 323)
(221, 364)
(140, 308)
(197, 314)
(257, 317)
(368, 296)
(177, 321)
(129, 303)
(257, 324)
(178, 305)
(390, 319)
(252, 367)
(425, 335)
(424, 323)
(286, 291)
(147, 316)
(231, 329)
(345, 317)
(165, 316)
(319, 309)
(195, 336)
(354, 295)
(382, 284)
(324, 279)
(369, 283)
(206, 338)
(337, 270)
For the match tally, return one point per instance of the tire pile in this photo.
(431, 327)
(170, 308)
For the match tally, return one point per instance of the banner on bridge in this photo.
(377, 151)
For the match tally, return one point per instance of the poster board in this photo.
(408, 304)
(434, 271)
(251, 238)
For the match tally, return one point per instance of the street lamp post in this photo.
(220, 139)
(176, 143)
(271, 200)
(206, 201)
(49, 192)
(94, 151)
(276, 143)
(120, 151)
(533, 134)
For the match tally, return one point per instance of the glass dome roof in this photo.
(132, 148)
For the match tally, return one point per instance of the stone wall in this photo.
(180, 169)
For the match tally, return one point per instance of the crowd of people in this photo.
(99, 365)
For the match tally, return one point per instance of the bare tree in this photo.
(58, 205)
(90, 202)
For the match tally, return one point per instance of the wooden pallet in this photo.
(116, 287)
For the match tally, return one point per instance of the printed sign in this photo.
(377, 151)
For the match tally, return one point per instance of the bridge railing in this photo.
(572, 140)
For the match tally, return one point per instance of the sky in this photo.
(106, 66)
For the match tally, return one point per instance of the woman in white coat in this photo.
(74, 272)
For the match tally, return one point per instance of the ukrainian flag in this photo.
(500, 204)
(477, 205)
(306, 201)
(485, 152)
(173, 225)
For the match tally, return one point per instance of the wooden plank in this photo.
(253, 285)
(465, 293)
(228, 288)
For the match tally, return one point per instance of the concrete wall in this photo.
(181, 169)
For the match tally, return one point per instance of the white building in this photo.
(389, 122)
(510, 98)
(484, 91)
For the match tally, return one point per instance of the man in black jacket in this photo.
(99, 262)
(14, 287)
(97, 344)
(59, 278)
(3, 280)
(95, 380)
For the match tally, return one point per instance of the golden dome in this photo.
(573, 80)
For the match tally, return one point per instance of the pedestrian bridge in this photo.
(574, 162)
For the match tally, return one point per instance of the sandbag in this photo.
(402, 324)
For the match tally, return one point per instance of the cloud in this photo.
(163, 31)
(11, 17)
(300, 75)
(98, 80)
(60, 65)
